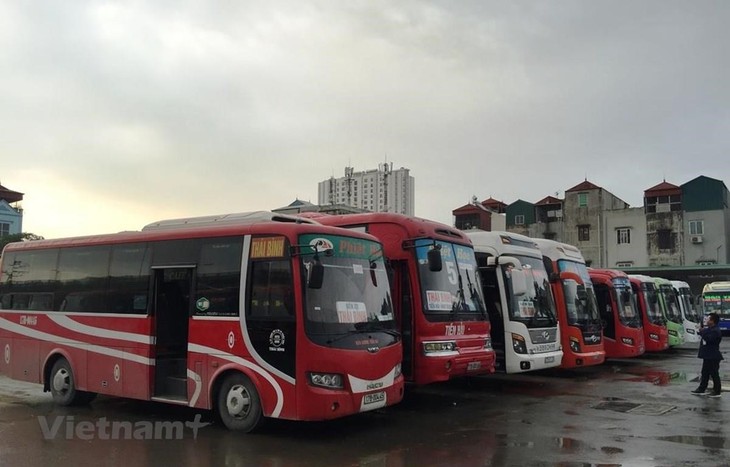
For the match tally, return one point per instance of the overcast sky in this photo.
(117, 114)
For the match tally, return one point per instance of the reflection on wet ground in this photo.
(542, 419)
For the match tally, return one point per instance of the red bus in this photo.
(656, 336)
(623, 334)
(580, 324)
(437, 295)
(251, 315)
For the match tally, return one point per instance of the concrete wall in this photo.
(633, 252)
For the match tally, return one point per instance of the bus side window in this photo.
(219, 276)
(272, 293)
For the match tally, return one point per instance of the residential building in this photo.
(677, 226)
(11, 214)
(706, 223)
(485, 215)
(380, 190)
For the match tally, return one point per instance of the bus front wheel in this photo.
(63, 386)
(239, 405)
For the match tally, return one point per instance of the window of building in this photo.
(696, 227)
(4, 229)
(520, 219)
(664, 239)
(623, 235)
(582, 199)
(584, 233)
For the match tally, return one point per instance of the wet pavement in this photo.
(631, 412)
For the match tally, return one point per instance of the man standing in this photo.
(710, 354)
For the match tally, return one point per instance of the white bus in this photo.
(525, 337)
(716, 299)
(690, 317)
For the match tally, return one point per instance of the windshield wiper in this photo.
(475, 298)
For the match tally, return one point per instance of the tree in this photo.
(20, 237)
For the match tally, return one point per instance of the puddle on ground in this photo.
(715, 442)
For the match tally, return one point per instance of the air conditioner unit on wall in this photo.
(696, 239)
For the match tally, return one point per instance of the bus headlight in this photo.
(326, 380)
(574, 345)
(672, 332)
(627, 340)
(397, 372)
(439, 346)
(690, 331)
(488, 343)
(654, 337)
(518, 344)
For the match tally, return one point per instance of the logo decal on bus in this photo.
(117, 372)
(202, 304)
(321, 244)
(231, 340)
(276, 340)
(7, 353)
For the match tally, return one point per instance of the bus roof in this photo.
(558, 250)
(641, 278)
(415, 227)
(610, 273)
(238, 218)
(499, 243)
(719, 286)
(277, 224)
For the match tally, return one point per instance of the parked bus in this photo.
(656, 337)
(252, 315)
(580, 323)
(623, 333)
(716, 299)
(527, 336)
(690, 317)
(670, 307)
(437, 296)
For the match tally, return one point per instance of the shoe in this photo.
(698, 392)
(715, 394)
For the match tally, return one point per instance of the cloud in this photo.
(188, 108)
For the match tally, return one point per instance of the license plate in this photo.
(471, 366)
(373, 398)
(549, 359)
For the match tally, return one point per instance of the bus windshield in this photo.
(651, 298)
(536, 308)
(627, 309)
(354, 297)
(580, 300)
(671, 303)
(685, 297)
(716, 302)
(455, 289)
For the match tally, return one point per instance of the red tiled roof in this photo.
(9, 195)
(584, 186)
(549, 200)
(663, 189)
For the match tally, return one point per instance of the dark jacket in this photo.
(710, 344)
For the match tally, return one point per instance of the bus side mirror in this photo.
(570, 276)
(434, 259)
(316, 274)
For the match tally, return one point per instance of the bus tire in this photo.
(239, 404)
(63, 386)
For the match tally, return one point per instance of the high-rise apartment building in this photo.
(379, 190)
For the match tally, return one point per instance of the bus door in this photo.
(171, 313)
(403, 300)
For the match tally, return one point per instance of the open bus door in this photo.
(172, 295)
